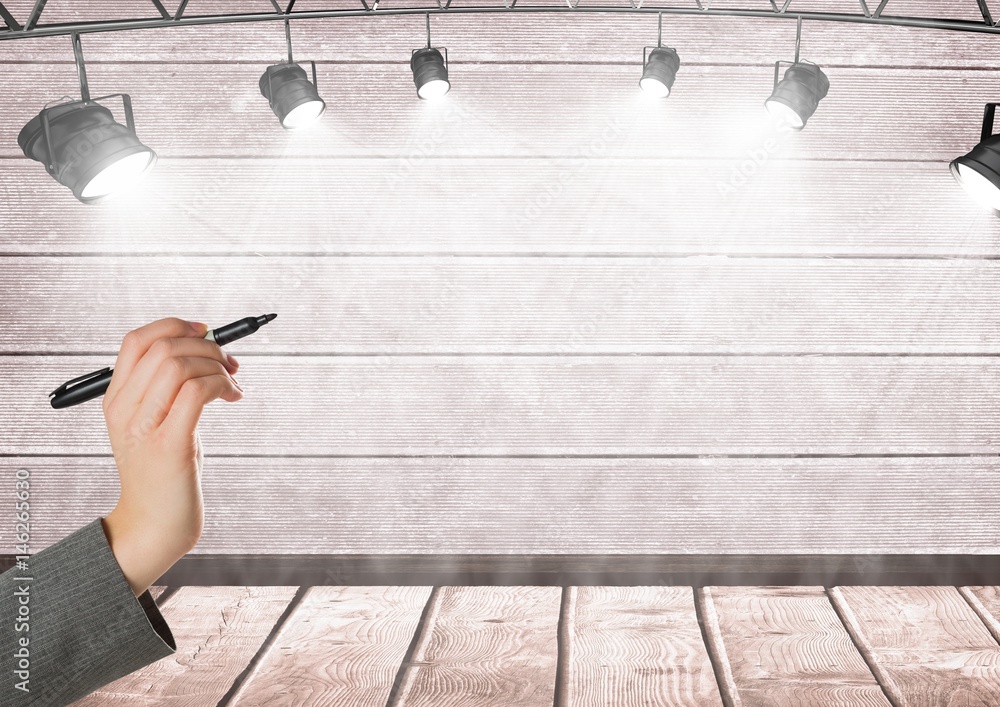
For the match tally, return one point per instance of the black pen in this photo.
(93, 385)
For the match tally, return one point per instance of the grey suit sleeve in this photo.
(85, 627)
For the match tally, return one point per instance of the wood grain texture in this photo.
(217, 631)
(557, 205)
(985, 601)
(587, 506)
(636, 645)
(787, 647)
(551, 405)
(485, 646)
(927, 645)
(419, 305)
(516, 38)
(504, 110)
(340, 646)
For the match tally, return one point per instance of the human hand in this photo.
(165, 374)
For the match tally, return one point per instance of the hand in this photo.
(165, 374)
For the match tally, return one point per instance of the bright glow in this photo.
(784, 112)
(434, 88)
(118, 175)
(654, 87)
(979, 187)
(303, 115)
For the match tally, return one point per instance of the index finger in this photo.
(137, 342)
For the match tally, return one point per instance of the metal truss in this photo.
(32, 27)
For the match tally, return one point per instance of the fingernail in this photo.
(199, 327)
(232, 360)
(237, 384)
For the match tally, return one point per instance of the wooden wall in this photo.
(545, 315)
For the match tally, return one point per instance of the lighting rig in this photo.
(84, 148)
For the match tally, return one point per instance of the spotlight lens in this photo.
(304, 115)
(435, 88)
(784, 112)
(118, 175)
(654, 87)
(979, 187)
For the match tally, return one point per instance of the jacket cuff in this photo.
(88, 629)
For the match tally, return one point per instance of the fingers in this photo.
(193, 396)
(135, 344)
(150, 369)
(173, 373)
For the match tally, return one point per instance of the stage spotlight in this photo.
(430, 69)
(430, 74)
(979, 171)
(795, 98)
(799, 92)
(83, 147)
(659, 69)
(292, 97)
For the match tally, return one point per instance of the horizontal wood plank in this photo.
(340, 646)
(926, 644)
(419, 305)
(535, 37)
(787, 647)
(550, 405)
(585, 506)
(507, 206)
(635, 645)
(502, 110)
(217, 631)
(487, 646)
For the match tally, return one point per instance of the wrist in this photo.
(142, 553)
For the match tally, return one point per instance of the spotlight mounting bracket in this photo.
(270, 91)
(50, 166)
(777, 67)
(645, 51)
(443, 50)
(989, 113)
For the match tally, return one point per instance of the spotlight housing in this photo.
(292, 97)
(799, 92)
(430, 72)
(978, 171)
(85, 149)
(659, 70)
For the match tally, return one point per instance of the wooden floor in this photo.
(390, 646)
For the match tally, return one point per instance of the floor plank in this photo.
(517, 38)
(217, 631)
(520, 305)
(340, 646)
(985, 601)
(533, 205)
(925, 644)
(541, 506)
(551, 405)
(502, 110)
(485, 646)
(635, 645)
(787, 647)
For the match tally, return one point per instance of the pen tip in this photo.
(269, 317)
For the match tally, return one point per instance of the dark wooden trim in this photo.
(580, 570)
